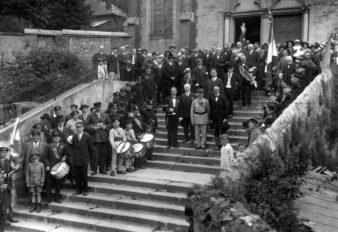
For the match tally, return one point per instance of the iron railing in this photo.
(43, 91)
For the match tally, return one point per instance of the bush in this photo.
(41, 64)
(275, 185)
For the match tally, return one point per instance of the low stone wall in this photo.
(98, 90)
(306, 120)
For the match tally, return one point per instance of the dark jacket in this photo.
(219, 109)
(252, 59)
(99, 135)
(287, 71)
(149, 88)
(112, 63)
(54, 156)
(82, 150)
(169, 105)
(170, 71)
(209, 88)
(236, 80)
(185, 104)
(149, 119)
(201, 76)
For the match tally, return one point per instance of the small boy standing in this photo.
(227, 154)
(35, 178)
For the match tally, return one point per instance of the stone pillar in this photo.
(305, 23)
(265, 26)
(227, 39)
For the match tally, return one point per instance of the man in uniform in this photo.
(56, 153)
(7, 185)
(98, 123)
(150, 121)
(199, 114)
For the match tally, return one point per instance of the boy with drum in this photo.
(116, 137)
(56, 153)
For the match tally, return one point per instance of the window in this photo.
(162, 17)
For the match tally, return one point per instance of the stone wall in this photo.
(307, 120)
(89, 93)
(83, 43)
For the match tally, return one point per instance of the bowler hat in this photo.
(199, 59)
(170, 56)
(73, 105)
(172, 46)
(45, 116)
(97, 104)
(36, 132)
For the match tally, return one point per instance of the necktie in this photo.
(35, 144)
(79, 137)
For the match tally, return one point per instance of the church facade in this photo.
(199, 23)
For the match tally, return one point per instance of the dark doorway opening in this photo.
(253, 28)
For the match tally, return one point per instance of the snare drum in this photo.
(60, 170)
(123, 150)
(139, 150)
(148, 140)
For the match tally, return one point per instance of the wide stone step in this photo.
(237, 113)
(199, 168)
(81, 222)
(210, 135)
(211, 161)
(238, 119)
(233, 125)
(127, 216)
(138, 192)
(188, 151)
(126, 203)
(210, 144)
(166, 185)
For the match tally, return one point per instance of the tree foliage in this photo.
(44, 14)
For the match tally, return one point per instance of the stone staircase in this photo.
(150, 199)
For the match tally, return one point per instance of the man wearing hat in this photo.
(181, 66)
(56, 153)
(124, 61)
(98, 123)
(254, 130)
(199, 114)
(158, 76)
(172, 49)
(35, 145)
(73, 107)
(46, 126)
(84, 112)
(122, 114)
(113, 64)
(83, 149)
(65, 132)
(6, 183)
(57, 112)
(200, 73)
(98, 57)
(169, 75)
(139, 61)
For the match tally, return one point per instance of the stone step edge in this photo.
(89, 222)
(128, 215)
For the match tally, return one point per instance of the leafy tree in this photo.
(15, 15)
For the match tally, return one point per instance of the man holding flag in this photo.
(272, 56)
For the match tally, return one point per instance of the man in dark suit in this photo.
(98, 125)
(219, 63)
(169, 75)
(287, 70)
(211, 83)
(82, 149)
(185, 105)
(46, 127)
(56, 153)
(35, 145)
(139, 61)
(113, 64)
(252, 57)
(54, 116)
(208, 59)
(73, 108)
(232, 81)
(65, 131)
(219, 112)
(246, 85)
(124, 59)
(181, 66)
(172, 116)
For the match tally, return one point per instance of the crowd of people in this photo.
(195, 89)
